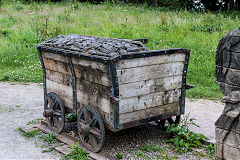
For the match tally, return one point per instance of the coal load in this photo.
(100, 46)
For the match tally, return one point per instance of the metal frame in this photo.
(114, 81)
(73, 85)
(184, 78)
(44, 74)
(112, 72)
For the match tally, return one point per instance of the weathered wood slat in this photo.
(88, 74)
(137, 62)
(92, 64)
(149, 100)
(57, 66)
(54, 56)
(94, 100)
(149, 72)
(82, 97)
(91, 75)
(149, 112)
(62, 94)
(58, 77)
(81, 84)
(77, 61)
(149, 86)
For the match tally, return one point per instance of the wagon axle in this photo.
(85, 130)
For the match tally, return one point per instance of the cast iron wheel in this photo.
(90, 129)
(164, 123)
(54, 112)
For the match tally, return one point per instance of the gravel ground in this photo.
(18, 105)
(22, 103)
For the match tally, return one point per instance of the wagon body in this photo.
(126, 90)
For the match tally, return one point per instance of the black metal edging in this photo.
(149, 53)
(112, 72)
(184, 77)
(73, 85)
(44, 73)
(108, 60)
(74, 54)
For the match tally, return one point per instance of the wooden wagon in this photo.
(112, 83)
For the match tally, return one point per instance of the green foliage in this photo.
(30, 134)
(119, 155)
(32, 122)
(24, 25)
(184, 139)
(76, 154)
(211, 150)
(49, 138)
(70, 117)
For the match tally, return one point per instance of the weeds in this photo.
(184, 139)
(210, 150)
(70, 117)
(76, 154)
(32, 122)
(49, 138)
(119, 155)
(37, 121)
(30, 134)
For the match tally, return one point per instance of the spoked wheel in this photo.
(90, 129)
(54, 112)
(164, 123)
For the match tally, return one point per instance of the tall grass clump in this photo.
(24, 25)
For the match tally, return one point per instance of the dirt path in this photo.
(18, 105)
(22, 103)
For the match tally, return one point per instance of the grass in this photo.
(23, 26)
(30, 134)
(49, 138)
(76, 153)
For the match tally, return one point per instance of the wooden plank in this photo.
(64, 92)
(58, 77)
(149, 72)
(92, 64)
(92, 75)
(149, 100)
(149, 86)
(88, 74)
(82, 97)
(57, 66)
(94, 100)
(54, 56)
(137, 62)
(147, 113)
(81, 84)
(63, 138)
(78, 61)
